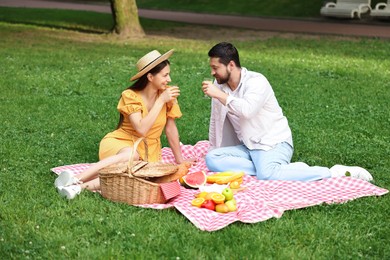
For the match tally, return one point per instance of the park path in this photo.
(377, 29)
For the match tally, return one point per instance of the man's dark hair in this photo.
(225, 52)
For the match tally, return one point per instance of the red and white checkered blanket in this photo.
(261, 200)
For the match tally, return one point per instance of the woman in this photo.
(146, 108)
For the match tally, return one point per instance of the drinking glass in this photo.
(174, 85)
(207, 79)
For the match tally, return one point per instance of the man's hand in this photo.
(212, 91)
(209, 89)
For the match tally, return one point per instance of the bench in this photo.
(381, 10)
(346, 8)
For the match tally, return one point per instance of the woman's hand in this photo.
(189, 161)
(192, 161)
(170, 94)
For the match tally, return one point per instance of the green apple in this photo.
(233, 201)
(228, 193)
(231, 204)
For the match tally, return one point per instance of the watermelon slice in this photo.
(194, 180)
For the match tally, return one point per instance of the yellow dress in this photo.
(125, 136)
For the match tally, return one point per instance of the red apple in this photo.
(208, 204)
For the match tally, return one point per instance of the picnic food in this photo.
(235, 185)
(208, 204)
(215, 201)
(214, 177)
(222, 208)
(228, 193)
(210, 194)
(201, 194)
(193, 180)
(231, 204)
(225, 177)
(218, 198)
(231, 178)
(197, 202)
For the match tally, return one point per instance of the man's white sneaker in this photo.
(70, 192)
(353, 171)
(66, 178)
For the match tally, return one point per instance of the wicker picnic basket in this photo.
(131, 182)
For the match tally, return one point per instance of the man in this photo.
(248, 131)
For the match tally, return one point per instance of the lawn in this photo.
(60, 82)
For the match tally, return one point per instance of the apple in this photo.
(228, 193)
(222, 208)
(208, 204)
(234, 201)
(231, 204)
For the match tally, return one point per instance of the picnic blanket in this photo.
(261, 200)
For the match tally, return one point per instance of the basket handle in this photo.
(133, 151)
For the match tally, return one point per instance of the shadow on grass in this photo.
(53, 26)
(80, 21)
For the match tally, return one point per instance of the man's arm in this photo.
(254, 96)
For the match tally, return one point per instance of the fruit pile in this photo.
(193, 180)
(196, 179)
(220, 202)
(225, 177)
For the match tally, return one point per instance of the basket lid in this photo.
(123, 167)
(154, 169)
(115, 168)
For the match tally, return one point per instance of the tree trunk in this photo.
(126, 20)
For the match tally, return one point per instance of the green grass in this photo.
(59, 89)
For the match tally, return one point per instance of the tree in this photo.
(125, 14)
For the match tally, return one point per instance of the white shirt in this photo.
(256, 118)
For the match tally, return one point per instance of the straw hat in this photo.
(149, 61)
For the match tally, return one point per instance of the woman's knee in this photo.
(124, 154)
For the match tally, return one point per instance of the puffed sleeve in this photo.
(129, 102)
(173, 110)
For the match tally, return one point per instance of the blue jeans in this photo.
(265, 165)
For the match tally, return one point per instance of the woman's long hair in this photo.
(142, 82)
